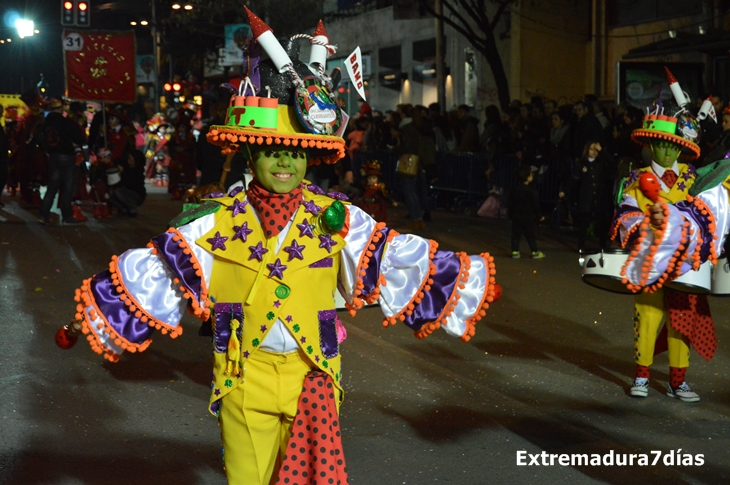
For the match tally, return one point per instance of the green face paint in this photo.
(279, 169)
(665, 152)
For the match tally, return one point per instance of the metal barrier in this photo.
(461, 179)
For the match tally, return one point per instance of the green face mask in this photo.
(279, 169)
(665, 152)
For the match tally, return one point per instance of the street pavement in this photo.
(547, 372)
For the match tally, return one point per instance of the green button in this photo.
(282, 291)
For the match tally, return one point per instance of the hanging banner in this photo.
(100, 66)
(353, 63)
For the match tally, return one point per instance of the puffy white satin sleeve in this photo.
(413, 281)
(693, 232)
(146, 290)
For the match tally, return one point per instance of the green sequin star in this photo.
(296, 327)
(228, 383)
(270, 315)
(309, 349)
(255, 342)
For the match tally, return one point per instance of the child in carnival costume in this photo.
(666, 183)
(375, 198)
(264, 264)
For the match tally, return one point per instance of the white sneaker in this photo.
(683, 392)
(640, 387)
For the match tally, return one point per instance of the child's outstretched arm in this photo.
(412, 280)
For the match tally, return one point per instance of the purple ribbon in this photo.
(179, 262)
(372, 274)
(328, 333)
(448, 270)
(116, 312)
(224, 313)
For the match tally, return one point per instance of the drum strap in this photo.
(690, 315)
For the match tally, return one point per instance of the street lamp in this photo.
(26, 28)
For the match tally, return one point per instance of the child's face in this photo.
(372, 179)
(280, 169)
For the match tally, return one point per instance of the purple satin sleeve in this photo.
(224, 313)
(372, 274)
(179, 262)
(693, 212)
(116, 312)
(448, 269)
(328, 333)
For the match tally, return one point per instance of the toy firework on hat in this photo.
(681, 128)
(299, 108)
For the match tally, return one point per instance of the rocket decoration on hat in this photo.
(320, 50)
(283, 101)
(263, 34)
(707, 109)
(679, 96)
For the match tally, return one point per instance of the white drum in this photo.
(603, 270)
(721, 277)
(113, 177)
(698, 282)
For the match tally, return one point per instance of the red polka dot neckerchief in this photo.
(275, 210)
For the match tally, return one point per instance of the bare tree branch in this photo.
(498, 14)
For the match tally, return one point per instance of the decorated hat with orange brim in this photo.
(273, 125)
(680, 131)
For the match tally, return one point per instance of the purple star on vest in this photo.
(303, 339)
(277, 269)
(337, 195)
(277, 304)
(326, 242)
(311, 207)
(295, 250)
(681, 185)
(246, 354)
(217, 392)
(238, 207)
(289, 318)
(305, 229)
(235, 191)
(257, 252)
(241, 232)
(218, 241)
(316, 358)
(686, 175)
(263, 328)
(315, 188)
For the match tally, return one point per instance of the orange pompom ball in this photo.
(497, 292)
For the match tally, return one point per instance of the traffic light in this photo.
(83, 13)
(67, 13)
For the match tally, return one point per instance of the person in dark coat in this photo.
(595, 189)
(4, 149)
(588, 129)
(61, 136)
(130, 193)
(524, 212)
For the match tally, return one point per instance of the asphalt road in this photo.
(548, 371)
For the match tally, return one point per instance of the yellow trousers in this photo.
(649, 314)
(256, 417)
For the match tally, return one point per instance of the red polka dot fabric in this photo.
(274, 209)
(314, 454)
(690, 315)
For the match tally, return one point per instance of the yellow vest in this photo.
(685, 180)
(243, 288)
